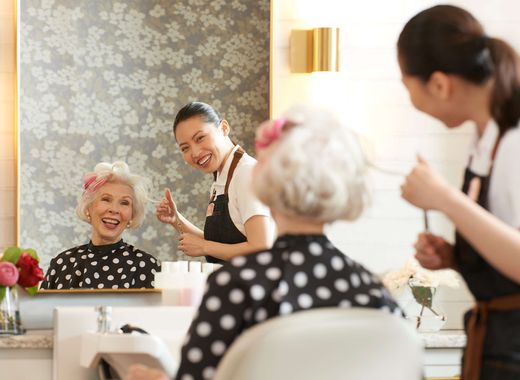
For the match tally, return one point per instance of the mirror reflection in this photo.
(113, 200)
(102, 81)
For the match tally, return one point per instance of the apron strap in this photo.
(493, 154)
(236, 157)
(476, 332)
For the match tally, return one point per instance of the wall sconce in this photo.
(314, 50)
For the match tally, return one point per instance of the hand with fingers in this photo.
(424, 188)
(166, 210)
(433, 252)
(191, 245)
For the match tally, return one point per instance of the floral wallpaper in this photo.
(101, 80)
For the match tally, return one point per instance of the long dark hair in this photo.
(449, 39)
(196, 109)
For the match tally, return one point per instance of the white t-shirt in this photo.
(504, 188)
(243, 204)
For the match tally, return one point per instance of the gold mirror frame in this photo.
(17, 129)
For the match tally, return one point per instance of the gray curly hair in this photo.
(117, 172)
(316, 169)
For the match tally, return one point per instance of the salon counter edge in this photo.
(43, 339)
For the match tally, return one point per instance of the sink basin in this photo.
(120, 351)
(78, 348)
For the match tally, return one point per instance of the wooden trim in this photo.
(271, 52)
(16, 130)
(97, 291)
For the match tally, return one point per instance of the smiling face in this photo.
(203, 146)
(111, 212)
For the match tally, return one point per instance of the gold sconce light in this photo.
(314, 50)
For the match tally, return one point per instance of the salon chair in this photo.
(326, 343)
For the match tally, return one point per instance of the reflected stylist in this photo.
(236, 221)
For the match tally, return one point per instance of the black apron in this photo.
(219, 226)
(500, 355)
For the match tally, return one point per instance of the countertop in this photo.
(444, 339)
(33, 339)
(43, 339)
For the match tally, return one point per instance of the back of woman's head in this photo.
(311, 166)
(119, 172)
(196, 109)
(449, 39)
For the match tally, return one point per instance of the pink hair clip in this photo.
(89, 179)
(270, 133)
(90, 185)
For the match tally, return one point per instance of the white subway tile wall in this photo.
(369, 93)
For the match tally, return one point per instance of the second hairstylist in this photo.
(236, 221)
(455, 73)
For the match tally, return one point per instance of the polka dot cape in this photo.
(300, 272)
(114, 266)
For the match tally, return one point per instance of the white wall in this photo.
(369, 94)
(7, 125)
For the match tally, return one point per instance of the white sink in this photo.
(120, 351)
(77, 348)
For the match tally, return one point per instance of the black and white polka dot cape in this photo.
(113, 266)
(300, 272)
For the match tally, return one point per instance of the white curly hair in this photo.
(316, 169)
(105, 172)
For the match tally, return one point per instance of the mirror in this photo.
(102, 81)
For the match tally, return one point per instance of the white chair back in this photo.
(326, 343)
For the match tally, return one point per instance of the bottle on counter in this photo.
(183, 282)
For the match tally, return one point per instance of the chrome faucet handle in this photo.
(104, 319)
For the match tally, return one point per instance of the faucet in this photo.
(104, 319)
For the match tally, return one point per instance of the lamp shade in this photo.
(314, 50)
(325, 55)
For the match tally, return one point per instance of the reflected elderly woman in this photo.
(113, 199)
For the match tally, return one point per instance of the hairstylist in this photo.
(236, 221)
(455, 72)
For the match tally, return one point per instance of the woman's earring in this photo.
(129, 224)
(88, 217)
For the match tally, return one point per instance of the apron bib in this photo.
(493, 325)
(219, 226)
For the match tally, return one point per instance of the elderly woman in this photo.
(311, 171)
(113, 200)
